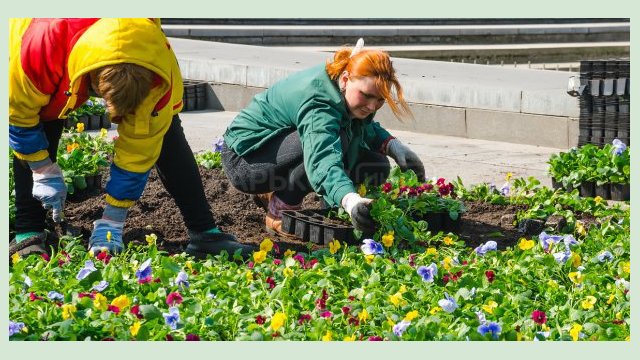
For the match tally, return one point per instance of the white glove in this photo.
(49, 187)
(359, 209)
(405, 158)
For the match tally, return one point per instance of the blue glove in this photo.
(107, 232)
(49, 187)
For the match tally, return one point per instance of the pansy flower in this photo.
(54, 295)
(618, 147)
(605, 256)
(174, 298)
(88, 268)
(486, 247)
(144, 272)
(370, 247)
(15, 327)
(492, 328)
(172, 317)
(428, 273)
(101, 285)
(401, 327)
(181, 280)
(448, 304)
(546, 241)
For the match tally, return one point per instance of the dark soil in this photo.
(236, 213)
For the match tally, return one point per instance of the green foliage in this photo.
(93, 106)
(590, 163)
(80, 155)
(209, 159)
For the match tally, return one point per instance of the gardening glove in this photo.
(405, 158)
(359, 209)
(49, 187)
(107, 232)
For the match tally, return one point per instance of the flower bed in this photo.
(556, 286)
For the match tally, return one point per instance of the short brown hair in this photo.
(123, 87)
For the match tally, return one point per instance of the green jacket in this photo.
(310, 102)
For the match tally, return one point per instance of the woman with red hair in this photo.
(314, 132)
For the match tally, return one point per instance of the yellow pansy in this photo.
(80, 127)
(189, 265)
(334, 246)
(403, 289)
(103, 133)
(287, 272)
(525, 244)
(508, 176)
(448, 240)
(576, 260)
(490, 306)
(552, 283)
(390, 322)
(396, 299)
(575, 277)
(369, 258)
(575, 332)
(387, 239)
(626, 267)
(350, 338)
(121, 302)
(435, 310)
(277, 321)
(362, 190)
(580, 229)
(618, 316)
(68, 310)
(328, 336)
(432, 251)
(597, 199)
(411, 315)
(446, 263)
(100, 302)
(135, 328)
(289, 252)
(151, 239)
(15, 258)
(259, 256)
(71, 147)
(266, 245)
(588, 302)
(519, 336)
(611, 298)
(249, 276)
(363, 316)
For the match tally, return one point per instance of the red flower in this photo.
(192, 337)
(303, 318)
(114, 309)
(345, 310)
(34, 297)
(351, 298)
(146, 280)
(403, 189)
(311, 263)
(444, 190)
(326, 314)
(91, 295)
(375, 338)
(104, 257)
(174, 298)
(299, 258)
(260, 319)
(271, 282)
(168, 337)
(45, 256)
(354, 321)
(618, 322)
(108, 339)
(427, 187)
(490, 275)
(387, 187)
(277, 262)
(276, 248)
(250, 265)
(539, 317)
(157, 280)
(135, 310)
(275, 334)
(440, 182)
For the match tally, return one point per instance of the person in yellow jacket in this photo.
(54, 65)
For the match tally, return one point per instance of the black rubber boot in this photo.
(202, 244)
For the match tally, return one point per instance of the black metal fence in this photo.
(605, 102)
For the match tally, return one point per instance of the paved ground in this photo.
(473, 160)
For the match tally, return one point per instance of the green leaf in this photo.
(150, 312)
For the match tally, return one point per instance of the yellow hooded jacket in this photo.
(49, 65)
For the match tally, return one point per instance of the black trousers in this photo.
(279, 166)
(176, 168)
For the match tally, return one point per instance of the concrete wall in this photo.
(473, 101)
